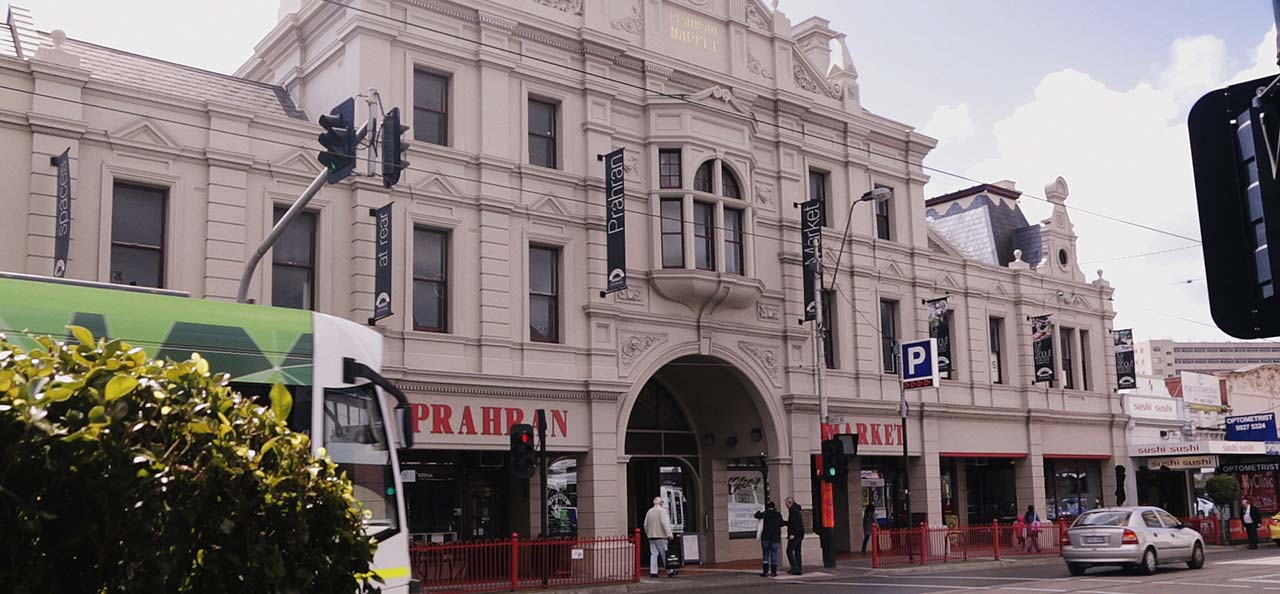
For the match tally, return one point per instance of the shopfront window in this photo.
(1072, 487)
(562, 498)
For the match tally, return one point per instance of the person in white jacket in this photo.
(657, 527)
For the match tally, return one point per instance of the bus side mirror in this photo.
(404, 420)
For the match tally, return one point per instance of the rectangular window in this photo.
(544, 284)
(293, 262)
(669, 174)
(883, 229)
(733, 252)
(430, 280)
(889, 334)
(137, 235)
(430, 107)
(818, 191)
(995, 330)
(1084, 360)
(828, 327)
(672, 233)
(1065, 339)
(704, 247)
(542, 133)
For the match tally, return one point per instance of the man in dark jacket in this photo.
(770, 538)
(795, 535)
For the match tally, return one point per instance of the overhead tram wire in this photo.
(713, 109)
(286, 144)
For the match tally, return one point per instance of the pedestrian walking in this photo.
(770, 538)
(795, 535)
(657, 527)
(1249, 517)
(1032, 520)
(868, 521)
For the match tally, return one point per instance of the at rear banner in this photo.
(941, 331)
(810, 244)
(382, 262)
(62, 214)
(1125, 375)
(1042, 348)
(615, 202)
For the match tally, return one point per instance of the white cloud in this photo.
(1264, 61)
(950, 122)
(1123, 153)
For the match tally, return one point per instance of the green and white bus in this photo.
(331, 365)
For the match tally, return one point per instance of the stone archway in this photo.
(697, 422)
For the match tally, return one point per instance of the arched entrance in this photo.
(697, 434)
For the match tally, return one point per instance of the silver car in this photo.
(1139, 537)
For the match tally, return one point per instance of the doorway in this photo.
(990, 490)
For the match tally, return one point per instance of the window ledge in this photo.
(700, 288)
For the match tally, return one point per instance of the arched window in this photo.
(730, 183)
(702, 179)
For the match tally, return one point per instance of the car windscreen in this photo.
(1103, 518)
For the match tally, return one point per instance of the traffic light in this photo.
(339, 141)
(833, 460)
(393, 148)
(523, 455)
(1233, 133)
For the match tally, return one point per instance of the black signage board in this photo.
(615, 202)
(381, 263)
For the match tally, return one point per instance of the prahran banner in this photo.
(1042, 348)
(1126, 376)
(940, 330)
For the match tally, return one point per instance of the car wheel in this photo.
(1077, 569)
(1197, 557)
(1149, 562)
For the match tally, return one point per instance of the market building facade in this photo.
(695, 382)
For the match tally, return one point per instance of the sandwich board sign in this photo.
(919, 364)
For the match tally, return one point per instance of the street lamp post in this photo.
(820, 362)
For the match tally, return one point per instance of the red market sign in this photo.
(871, 434)
(486, 423)
(444, 419)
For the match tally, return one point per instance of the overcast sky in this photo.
(1096, 91)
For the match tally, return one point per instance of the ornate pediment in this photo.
(726, 95)
(144, 131)
(809, 79)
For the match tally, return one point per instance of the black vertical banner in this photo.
(381, 263)
(62, 214)
(939, 329)
(615, 202)
(1126, 376)
(1042, 348)
(810, 243)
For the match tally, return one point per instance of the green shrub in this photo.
(1223, 489)
(122, 474)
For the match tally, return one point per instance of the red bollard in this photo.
(995, 537)
(635, 538)
(875, 546)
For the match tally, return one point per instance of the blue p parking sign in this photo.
(920, 364)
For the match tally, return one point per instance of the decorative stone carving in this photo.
(803, 80)
(726, 95)
(629, 295)
(755, 18)
(569, 6)
(633, 23)
(764, 355)
(755, 67)
(764, 194)
(631, 163)
(767, 313)
(633, 346)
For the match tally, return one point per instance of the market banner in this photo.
(62, 214)
(381, 263)
(810, 246)
(1126, 376)
(941, 331)
(615, 202)
(1042, 348)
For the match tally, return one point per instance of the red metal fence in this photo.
(923, 545)
(1208, 528)
(513, 564)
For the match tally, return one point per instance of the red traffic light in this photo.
(524, 438)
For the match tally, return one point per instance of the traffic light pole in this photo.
(242, 295)
(820, 378)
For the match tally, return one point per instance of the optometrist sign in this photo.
(919, 364)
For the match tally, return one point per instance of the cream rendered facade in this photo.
(730, 80)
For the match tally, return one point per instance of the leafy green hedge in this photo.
(122, 474)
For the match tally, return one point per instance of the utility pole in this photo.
(820, 379)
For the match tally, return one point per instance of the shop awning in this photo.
(1016, 455)
(1077, 456)
(1181, 448)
